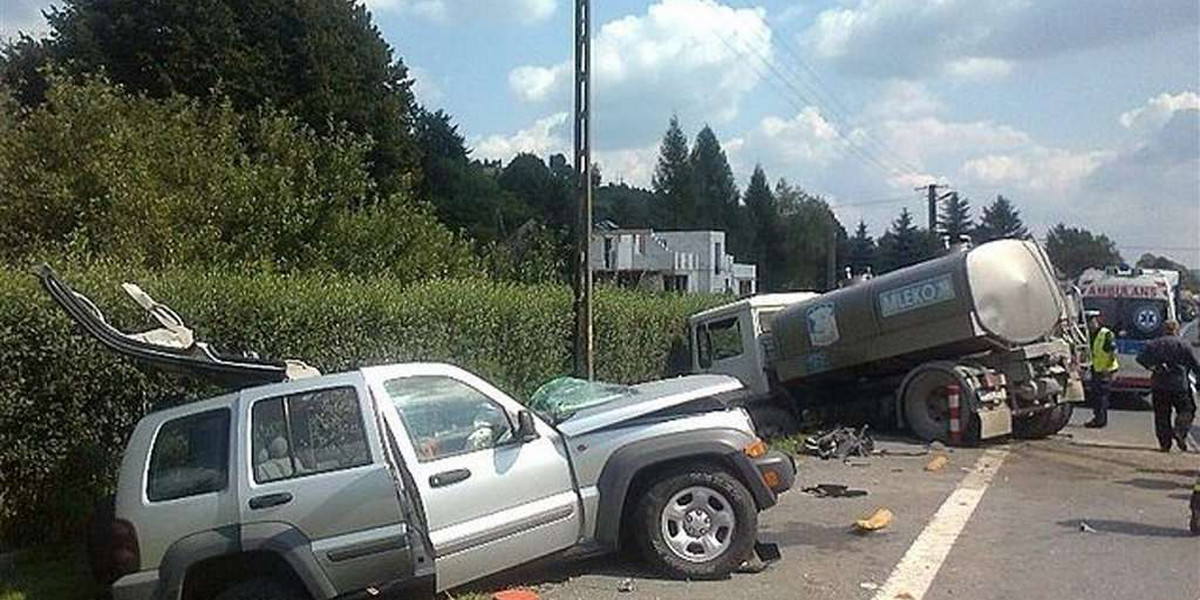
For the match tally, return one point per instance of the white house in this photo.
(685, 261)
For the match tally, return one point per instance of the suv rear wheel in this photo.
(696, 523)
(261, 589)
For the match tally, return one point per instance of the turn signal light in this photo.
(771, 478)
(756, 449)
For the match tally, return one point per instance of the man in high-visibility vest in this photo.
(1104, 365)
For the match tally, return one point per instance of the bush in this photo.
(164, 182)
(67, 405)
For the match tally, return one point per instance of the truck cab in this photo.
(735, 339)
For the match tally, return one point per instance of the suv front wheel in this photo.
(696, 523)
(261, 589)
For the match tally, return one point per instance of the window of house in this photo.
(608, 253)
(445, 417)
(641, 243)
(717, 255)
(190, 457)
(307, 433)
(719, 340)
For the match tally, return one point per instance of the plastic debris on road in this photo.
(833, 490)
(516, 594)
(626, 585)
(1084, 527)
(937, 463)
(880, 519)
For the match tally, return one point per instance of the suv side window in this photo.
(307, 433)
(190, 457)
(445, 416)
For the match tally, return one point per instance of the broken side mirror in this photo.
(526, 429)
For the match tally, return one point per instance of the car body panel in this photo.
(646, 399)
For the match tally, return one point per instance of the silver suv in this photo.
(418, 476)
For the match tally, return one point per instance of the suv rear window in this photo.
(307, 433)
(190, 456)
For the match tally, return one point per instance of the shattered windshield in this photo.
(560, 398)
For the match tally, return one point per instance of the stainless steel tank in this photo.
(998, 295)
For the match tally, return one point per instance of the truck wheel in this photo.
(696, 523)
(261, 589)
(1043, 424)
(772, 421)
(927, 409)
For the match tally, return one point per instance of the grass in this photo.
(49, 573)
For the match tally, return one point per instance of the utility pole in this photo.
(831, 256)
(585, 367)
(932, 198)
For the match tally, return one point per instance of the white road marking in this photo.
(917, 569)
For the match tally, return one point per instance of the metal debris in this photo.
(840, 443)
(1084, 527)
(833, 490)
(626, 585)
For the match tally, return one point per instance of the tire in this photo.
(1043, 424)
(696, 523)
(927, 411)
(772, 421)
(261, 589)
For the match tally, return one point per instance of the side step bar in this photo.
(172, 347)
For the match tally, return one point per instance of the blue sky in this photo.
(1083, 111)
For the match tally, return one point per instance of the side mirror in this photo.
(526, 430)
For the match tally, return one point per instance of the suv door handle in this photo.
(269, 500)
(448, 477)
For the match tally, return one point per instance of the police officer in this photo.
(1104, 365)
(1169, 360)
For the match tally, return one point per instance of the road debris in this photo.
(937, 463)
(867, 585)
(881, 518)
(1084, 527)
(840, 443)
(516, 594)
(833, 490)
(904, 596)
(626, 585)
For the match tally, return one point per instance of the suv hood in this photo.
(692, 393)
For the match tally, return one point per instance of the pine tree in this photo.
(955, 220)
(765, 226)
(674, 205)
(716, 191)
(1000, 220)
(862, 250)
(905, 244)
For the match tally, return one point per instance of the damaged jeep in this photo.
(413, 478)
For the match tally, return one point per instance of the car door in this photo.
(491, 501)
(315, 473)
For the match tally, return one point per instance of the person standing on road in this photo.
(1169, 360)
(1104, 365)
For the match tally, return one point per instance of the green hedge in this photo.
(67, 405)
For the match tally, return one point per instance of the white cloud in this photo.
(544, 137)
(806, 138)
(695, 58)
(978, 67)
(903, 98)
(521, 11)
(917, 38)
(1158, 111)
(634, 166)
(23, 16)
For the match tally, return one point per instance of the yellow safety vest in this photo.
(1103, 361)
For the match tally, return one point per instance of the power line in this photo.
(854, 148)
(833, 105)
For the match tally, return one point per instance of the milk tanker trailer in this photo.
(990, 322)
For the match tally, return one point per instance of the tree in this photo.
(674, 204)
(1073, 249)
(323, 61)
(624, 205)
(20, 61)
(955, 219)
(1000, 221)
(904, 244)
(97, 173)
(809, 231)
(862, 251)
(716, 191)
(766, 231)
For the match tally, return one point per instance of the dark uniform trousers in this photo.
(1185, 412)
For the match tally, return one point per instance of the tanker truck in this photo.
(990, 323)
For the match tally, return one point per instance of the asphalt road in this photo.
(1017, 535)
